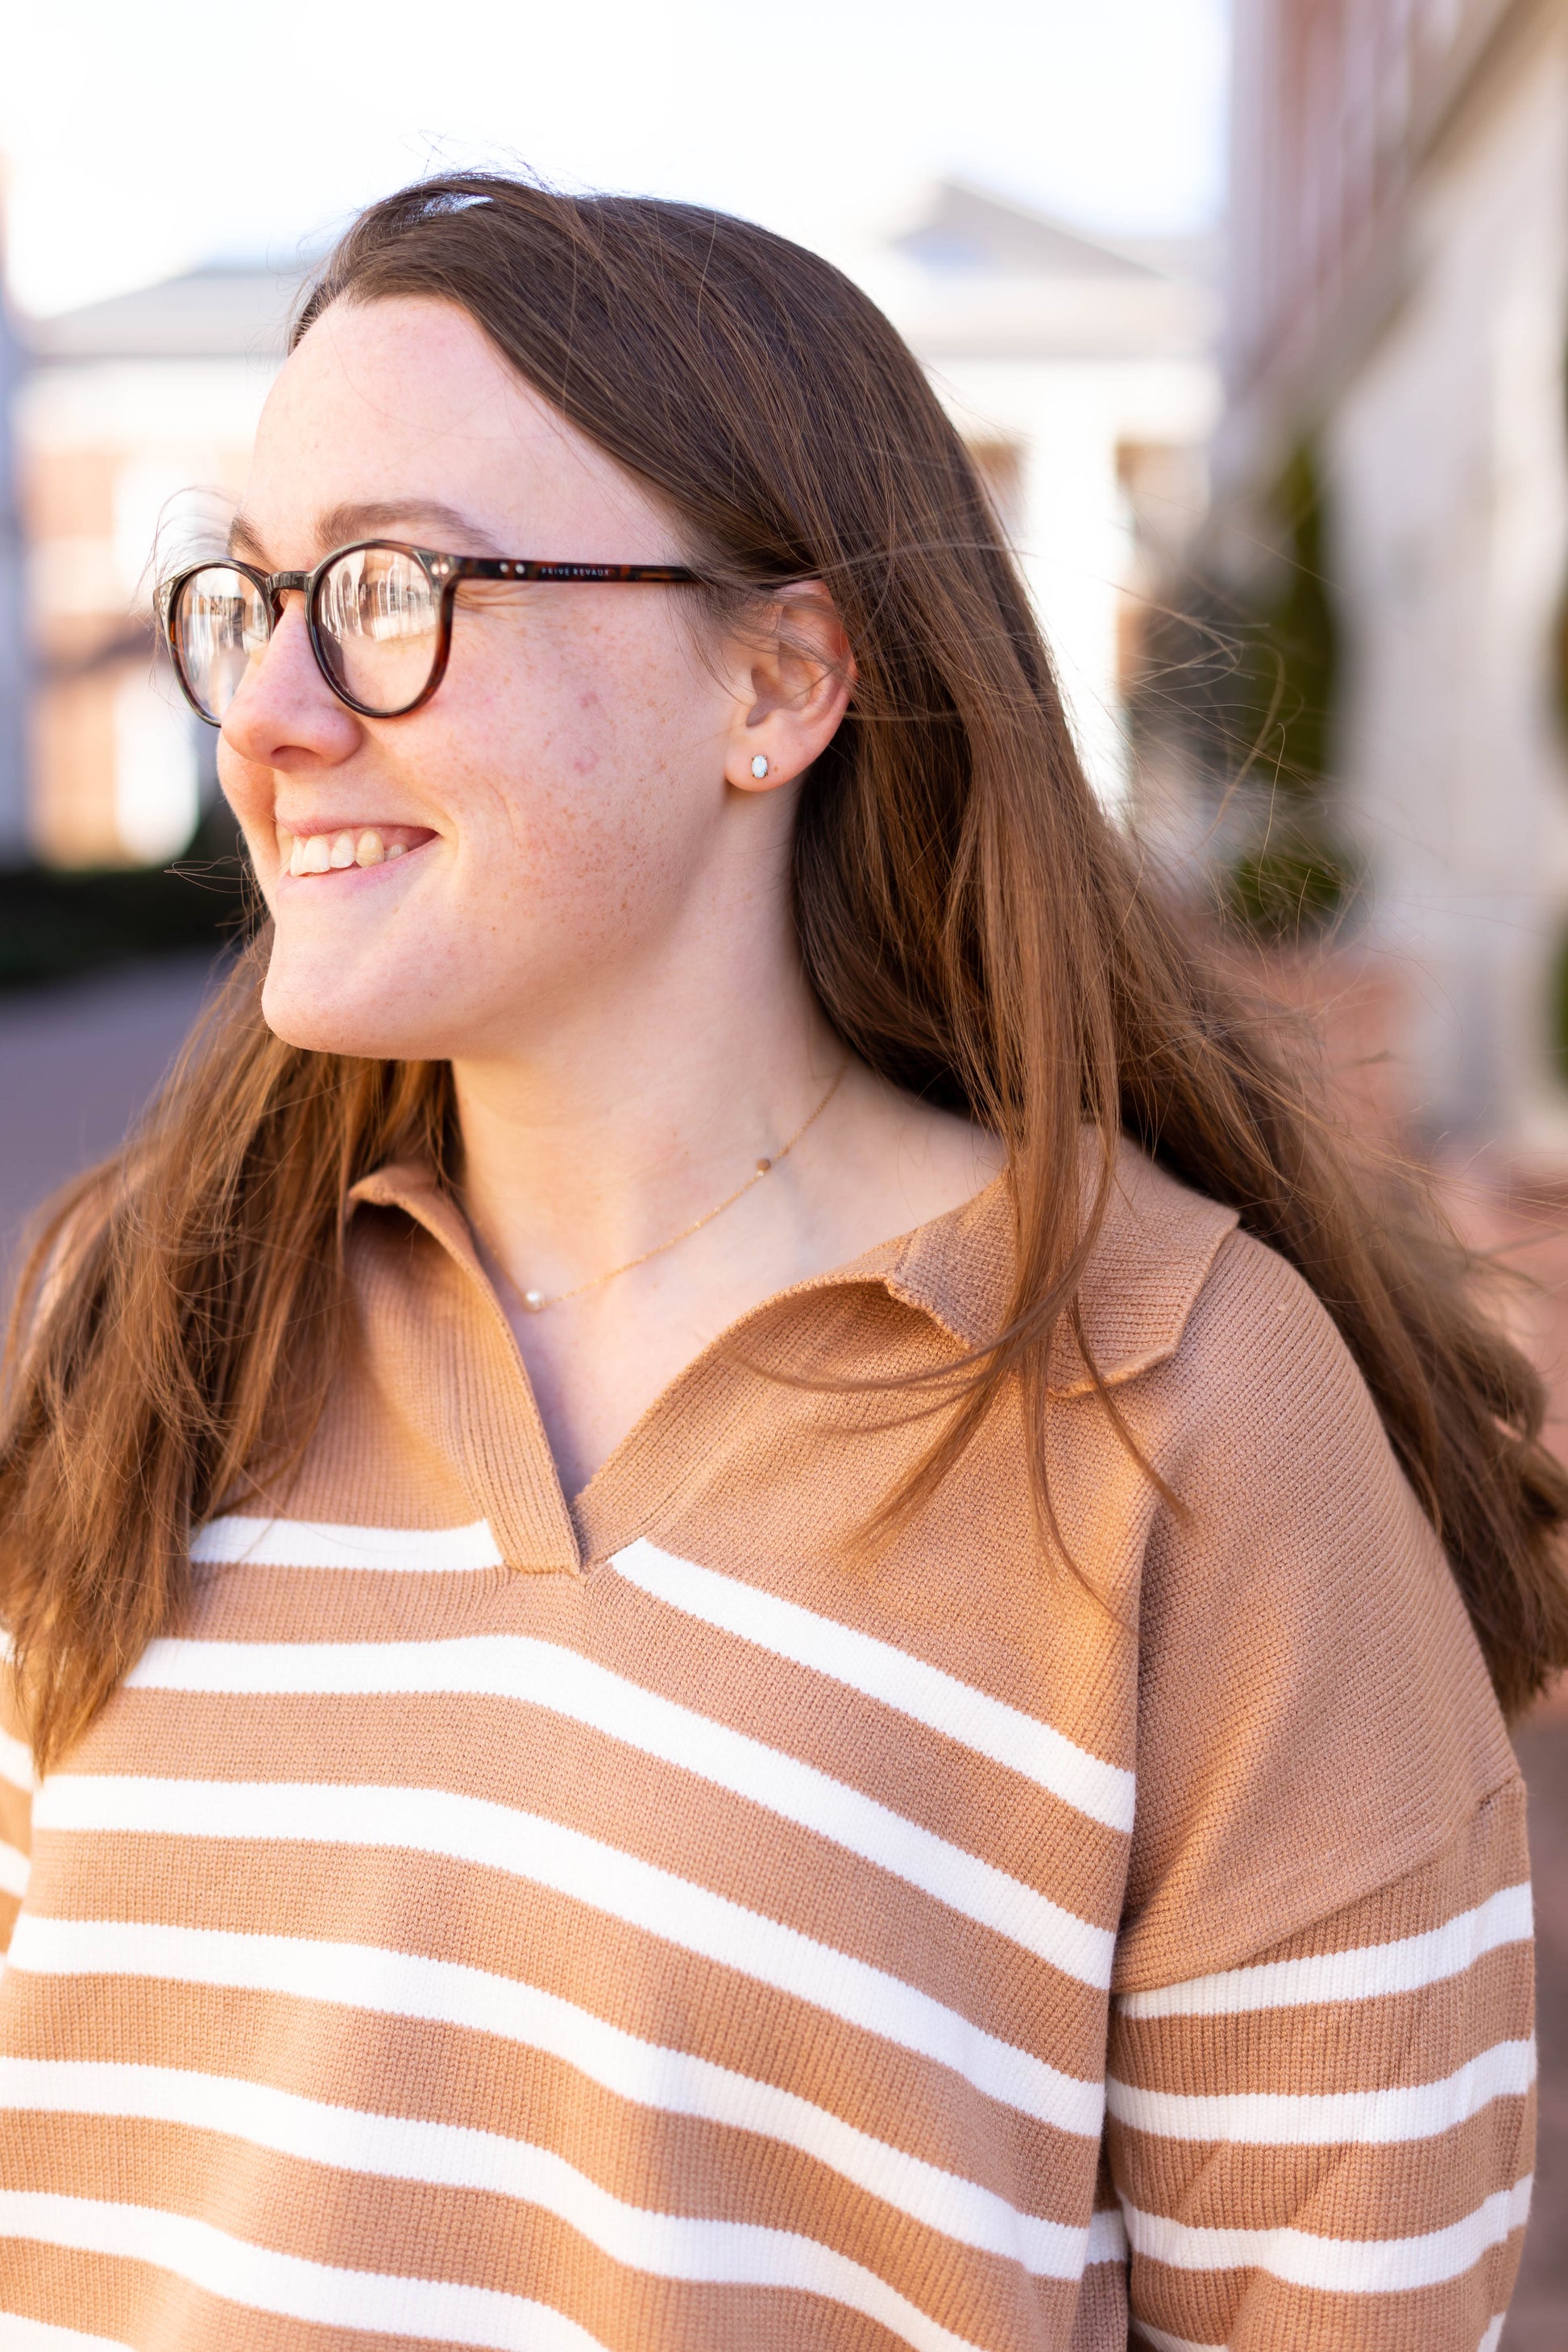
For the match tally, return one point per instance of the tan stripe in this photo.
(1377, 2119)
(239, 1602)
(601, 1789)
(681, 2000)
(473, 2236)
(1485, 1854)
(117, 2300)
(1365, 2045)
(15, 1762)
(972, 1803)
(490, 2084)
(23, 2335)
(897, 1671)
(897, 1758)
(152, 2313)
(446, 2074)
(1012, 1649)
(533, 1853)
(1335, 2192)
(1217, 2307)
(154, 2310)
(16, 1818)
(1100, 2322)
(501, 1748)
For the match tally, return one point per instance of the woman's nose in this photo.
(284, 713)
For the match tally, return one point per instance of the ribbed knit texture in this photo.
(646, 1925)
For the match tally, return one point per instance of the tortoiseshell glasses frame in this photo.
(357, 616)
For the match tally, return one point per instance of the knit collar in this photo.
(1153, 1251)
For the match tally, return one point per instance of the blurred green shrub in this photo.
(1558, 1010)
(55, 925)
(1288, 679)
(1245, 677)
(1285, 893)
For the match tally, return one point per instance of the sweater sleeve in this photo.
(1321, 2070)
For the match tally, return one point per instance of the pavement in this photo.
(78, 1063)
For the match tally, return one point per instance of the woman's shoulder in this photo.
(1155, 1250)
(1314, 1714)
(1240, 1341)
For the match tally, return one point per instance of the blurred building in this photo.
(1080, 371)
(133, 424)
(1398, 308)
(12, 630)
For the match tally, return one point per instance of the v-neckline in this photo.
(601, 1517)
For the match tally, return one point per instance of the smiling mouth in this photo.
(334, 851)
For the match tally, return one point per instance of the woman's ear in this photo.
(800, 676)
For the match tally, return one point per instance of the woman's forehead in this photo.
(405, 404)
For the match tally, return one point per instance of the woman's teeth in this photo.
(325, 852)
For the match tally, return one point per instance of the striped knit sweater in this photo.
(644, 1923)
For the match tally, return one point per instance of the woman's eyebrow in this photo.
(340, 525)
(242, 540)
(344, 523)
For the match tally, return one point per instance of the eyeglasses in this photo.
(379, 617)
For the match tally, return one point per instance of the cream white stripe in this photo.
(14, 1870)
(1365, 1974)
(19, 2334)
(1335, 2265)
(1281, 2119)
(313, 1543)
(708, 2253)
(452, 2156)
(235, 2271)
(543, 1675)
(910, 1685)
(16, 1762)
(529, 1846)
(1106, 2237)
(365, 1976)
(1162, 2342)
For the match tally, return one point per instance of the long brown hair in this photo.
(973, 923)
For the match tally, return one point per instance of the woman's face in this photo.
(567, 800)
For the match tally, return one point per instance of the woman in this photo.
(724, 1549)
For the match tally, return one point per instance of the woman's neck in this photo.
(609, 1136)
(600, 1146)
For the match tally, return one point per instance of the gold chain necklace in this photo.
(535, 1301)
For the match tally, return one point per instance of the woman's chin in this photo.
(333, 1020)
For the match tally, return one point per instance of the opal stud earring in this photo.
(759, 767)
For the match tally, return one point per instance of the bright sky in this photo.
(138, 141)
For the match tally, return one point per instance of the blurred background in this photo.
(1256, 319)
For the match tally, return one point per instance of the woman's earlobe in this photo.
(758, 772)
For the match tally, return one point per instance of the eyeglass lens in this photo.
(219, 622)
(378, 625)
(378, 620)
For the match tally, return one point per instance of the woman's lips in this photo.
(333, 850)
